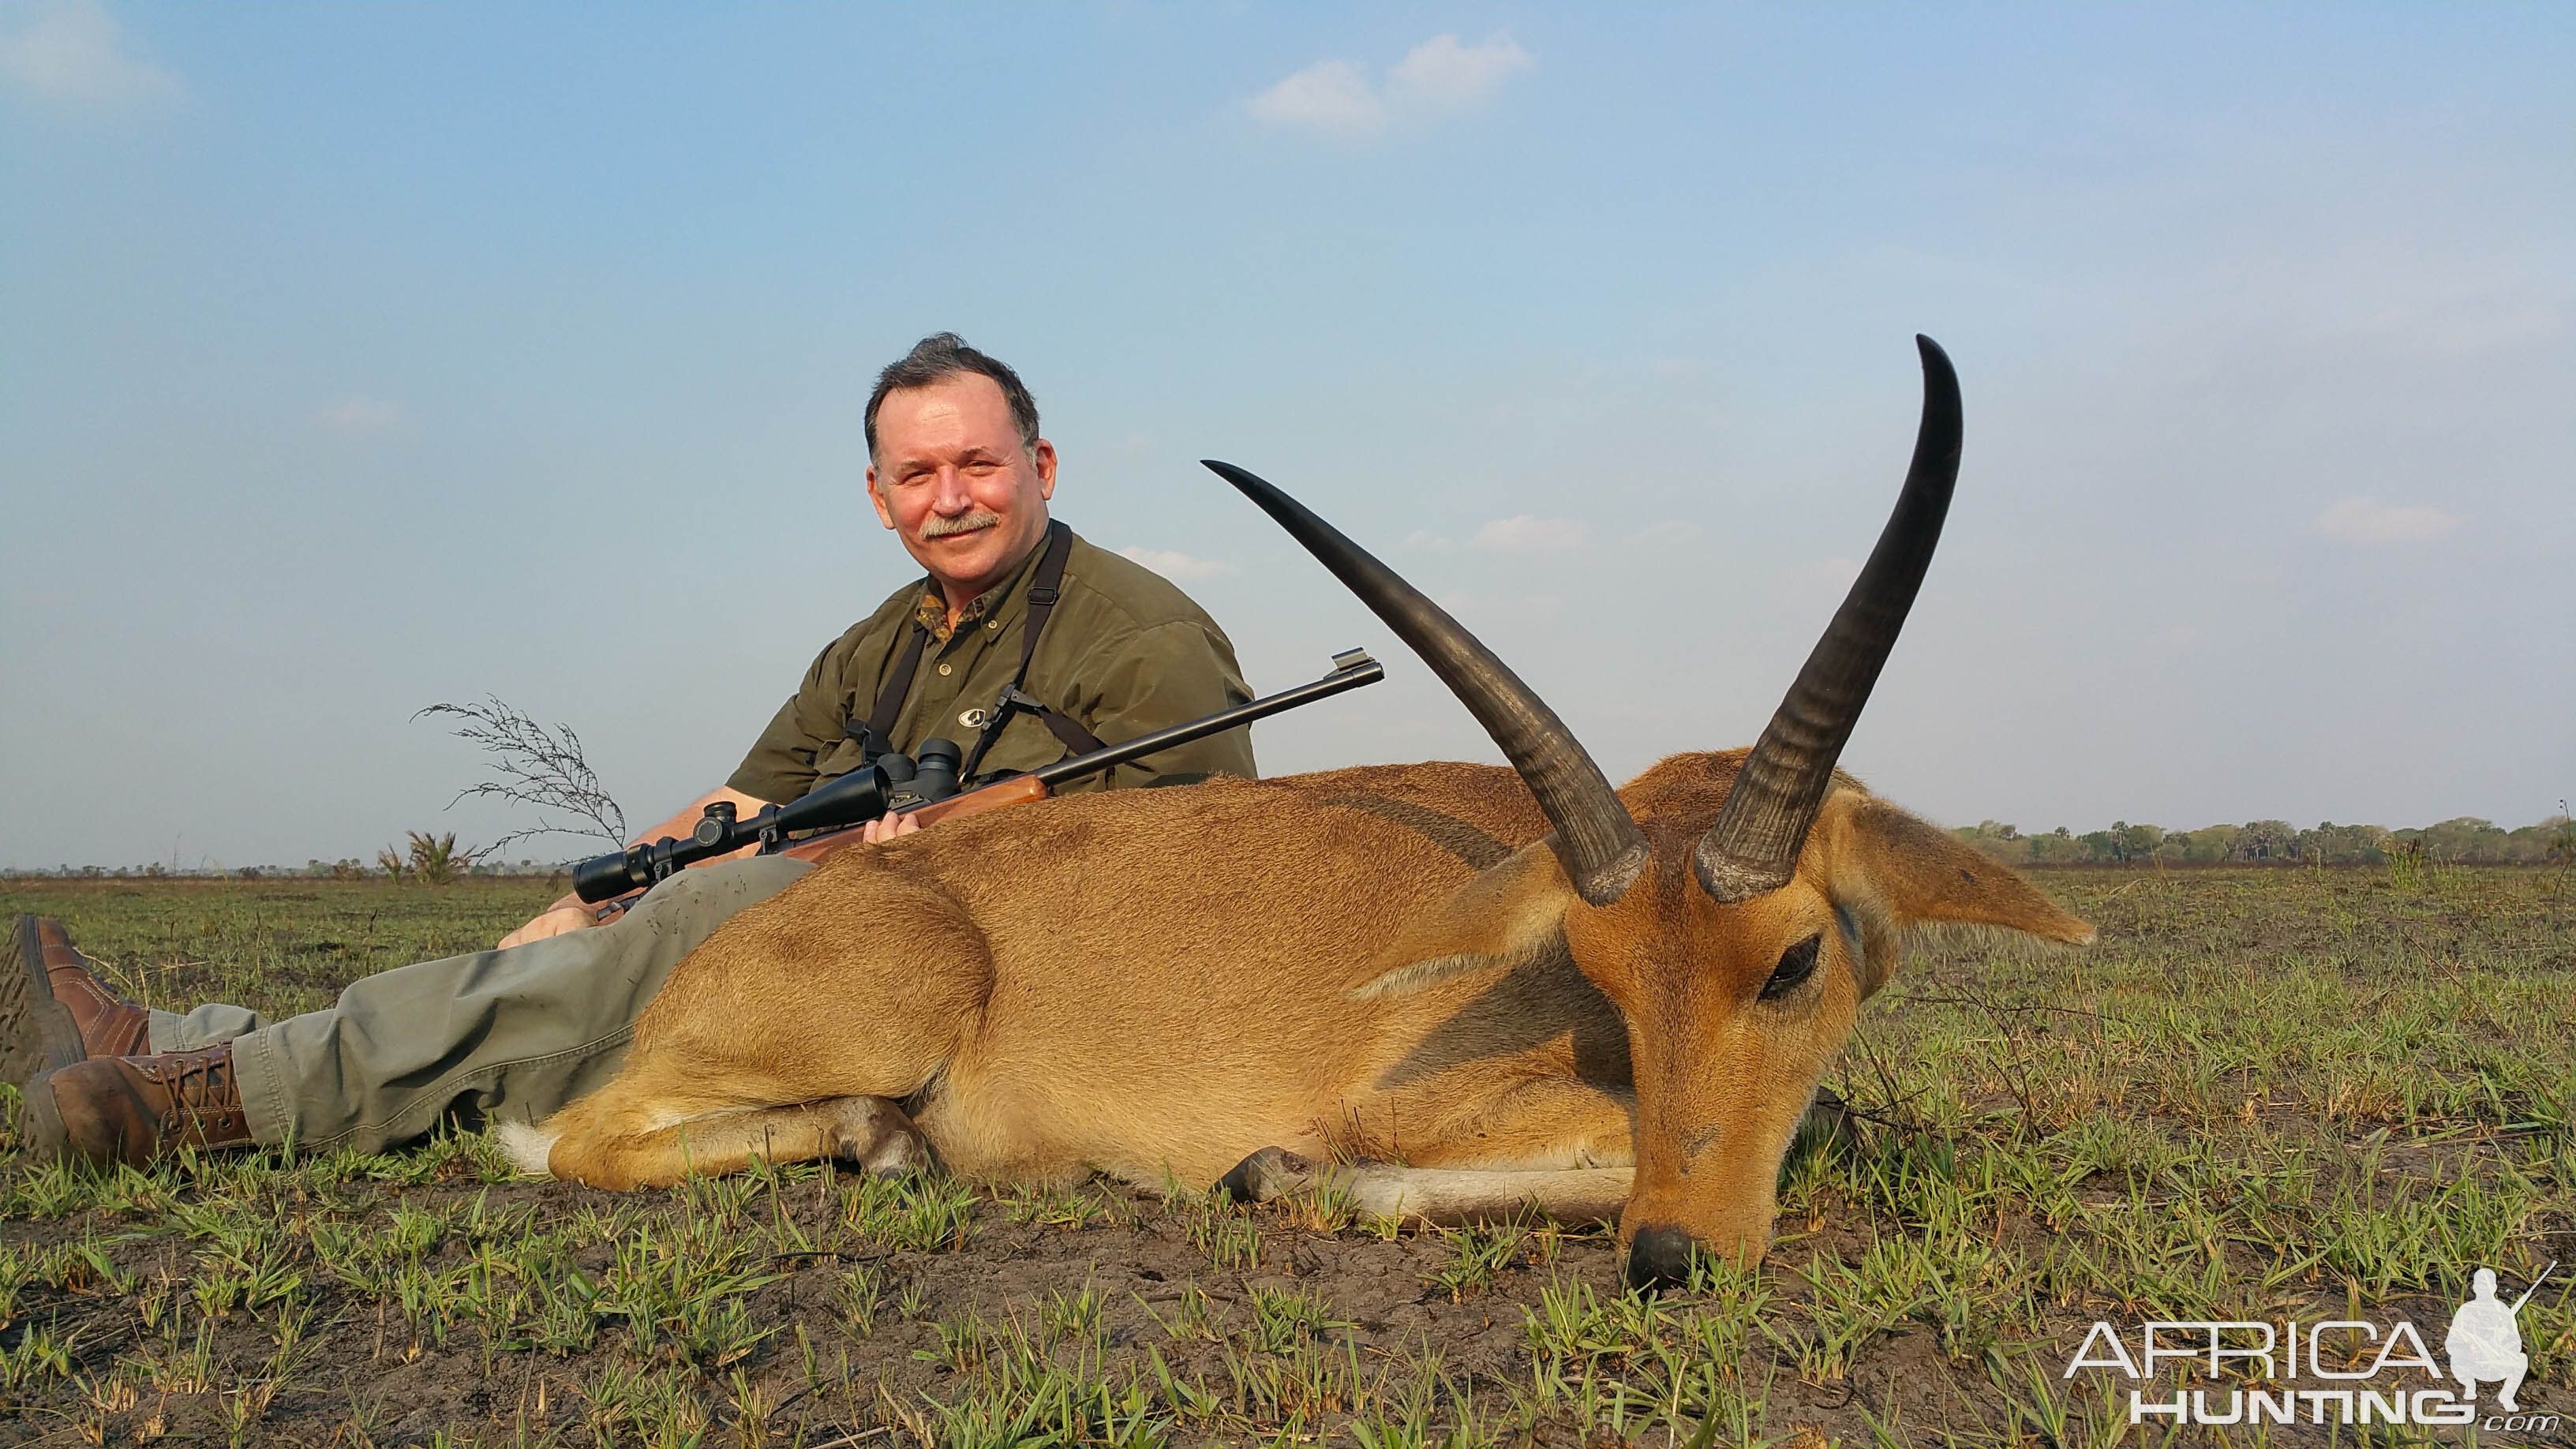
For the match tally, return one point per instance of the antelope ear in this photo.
(1513, 912)
(1923, 875)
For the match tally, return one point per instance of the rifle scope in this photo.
(890, 782)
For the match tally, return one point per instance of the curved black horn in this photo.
(1753, 846)
(1603, 850)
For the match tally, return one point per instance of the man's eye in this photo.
(1796, 965)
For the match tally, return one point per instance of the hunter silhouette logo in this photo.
(2365, 1373)
(2485, 1341)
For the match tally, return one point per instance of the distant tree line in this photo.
(349, 868)
(2465, 840)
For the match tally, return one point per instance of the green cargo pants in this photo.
(513, 1034)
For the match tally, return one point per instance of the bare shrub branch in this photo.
(539, 767)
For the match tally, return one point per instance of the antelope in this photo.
(1454, 989)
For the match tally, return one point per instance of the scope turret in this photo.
(714, 826)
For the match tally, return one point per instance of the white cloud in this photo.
(1521, 534)
(1172, 564)
(1669, 533)
(75, 54)
(2367, 521)
(359, 415)
(1332, 96)
(1440, 72)
(1337, 97)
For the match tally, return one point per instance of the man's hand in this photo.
(573, 914)
(568, 914)
(878, 832)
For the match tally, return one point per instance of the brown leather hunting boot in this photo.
(134, 1109)
(110, 1025)
(37, 1032)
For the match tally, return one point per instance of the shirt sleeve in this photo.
(781, 765)
(1155, 678)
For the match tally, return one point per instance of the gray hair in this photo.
(943, 355)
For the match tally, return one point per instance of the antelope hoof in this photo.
(875, 1134)
(1273, 1172)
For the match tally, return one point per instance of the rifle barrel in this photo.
(1350, 675)
(2535, 1286)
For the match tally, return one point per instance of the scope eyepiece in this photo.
(935, 771)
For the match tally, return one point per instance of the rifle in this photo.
(2535, 1286)
(925, 788)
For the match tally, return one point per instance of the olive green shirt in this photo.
(1123, 653)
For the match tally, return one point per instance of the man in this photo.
(2486, 1344)
(1024, 645)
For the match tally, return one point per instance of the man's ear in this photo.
(877, 501)
(1512, 912)
(1921, 874)
(1042, 453)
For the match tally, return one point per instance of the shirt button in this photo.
(943, 669)
(993, 624)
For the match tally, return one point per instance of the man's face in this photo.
(951, 478)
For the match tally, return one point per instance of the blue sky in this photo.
(361, 357)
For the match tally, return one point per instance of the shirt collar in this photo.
(931, 612)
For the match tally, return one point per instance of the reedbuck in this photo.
(1518, 984)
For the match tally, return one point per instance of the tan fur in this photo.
(1156, 984)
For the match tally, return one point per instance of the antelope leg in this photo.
(615, 1150)
(1436, 1196)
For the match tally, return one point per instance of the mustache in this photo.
(975, 522)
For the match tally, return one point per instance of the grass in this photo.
(2265, 1095)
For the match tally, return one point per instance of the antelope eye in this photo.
(1796, 965)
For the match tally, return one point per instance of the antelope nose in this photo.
(1659, 1257)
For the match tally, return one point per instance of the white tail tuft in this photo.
(528, 1147)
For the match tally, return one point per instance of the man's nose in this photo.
(949, 495)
